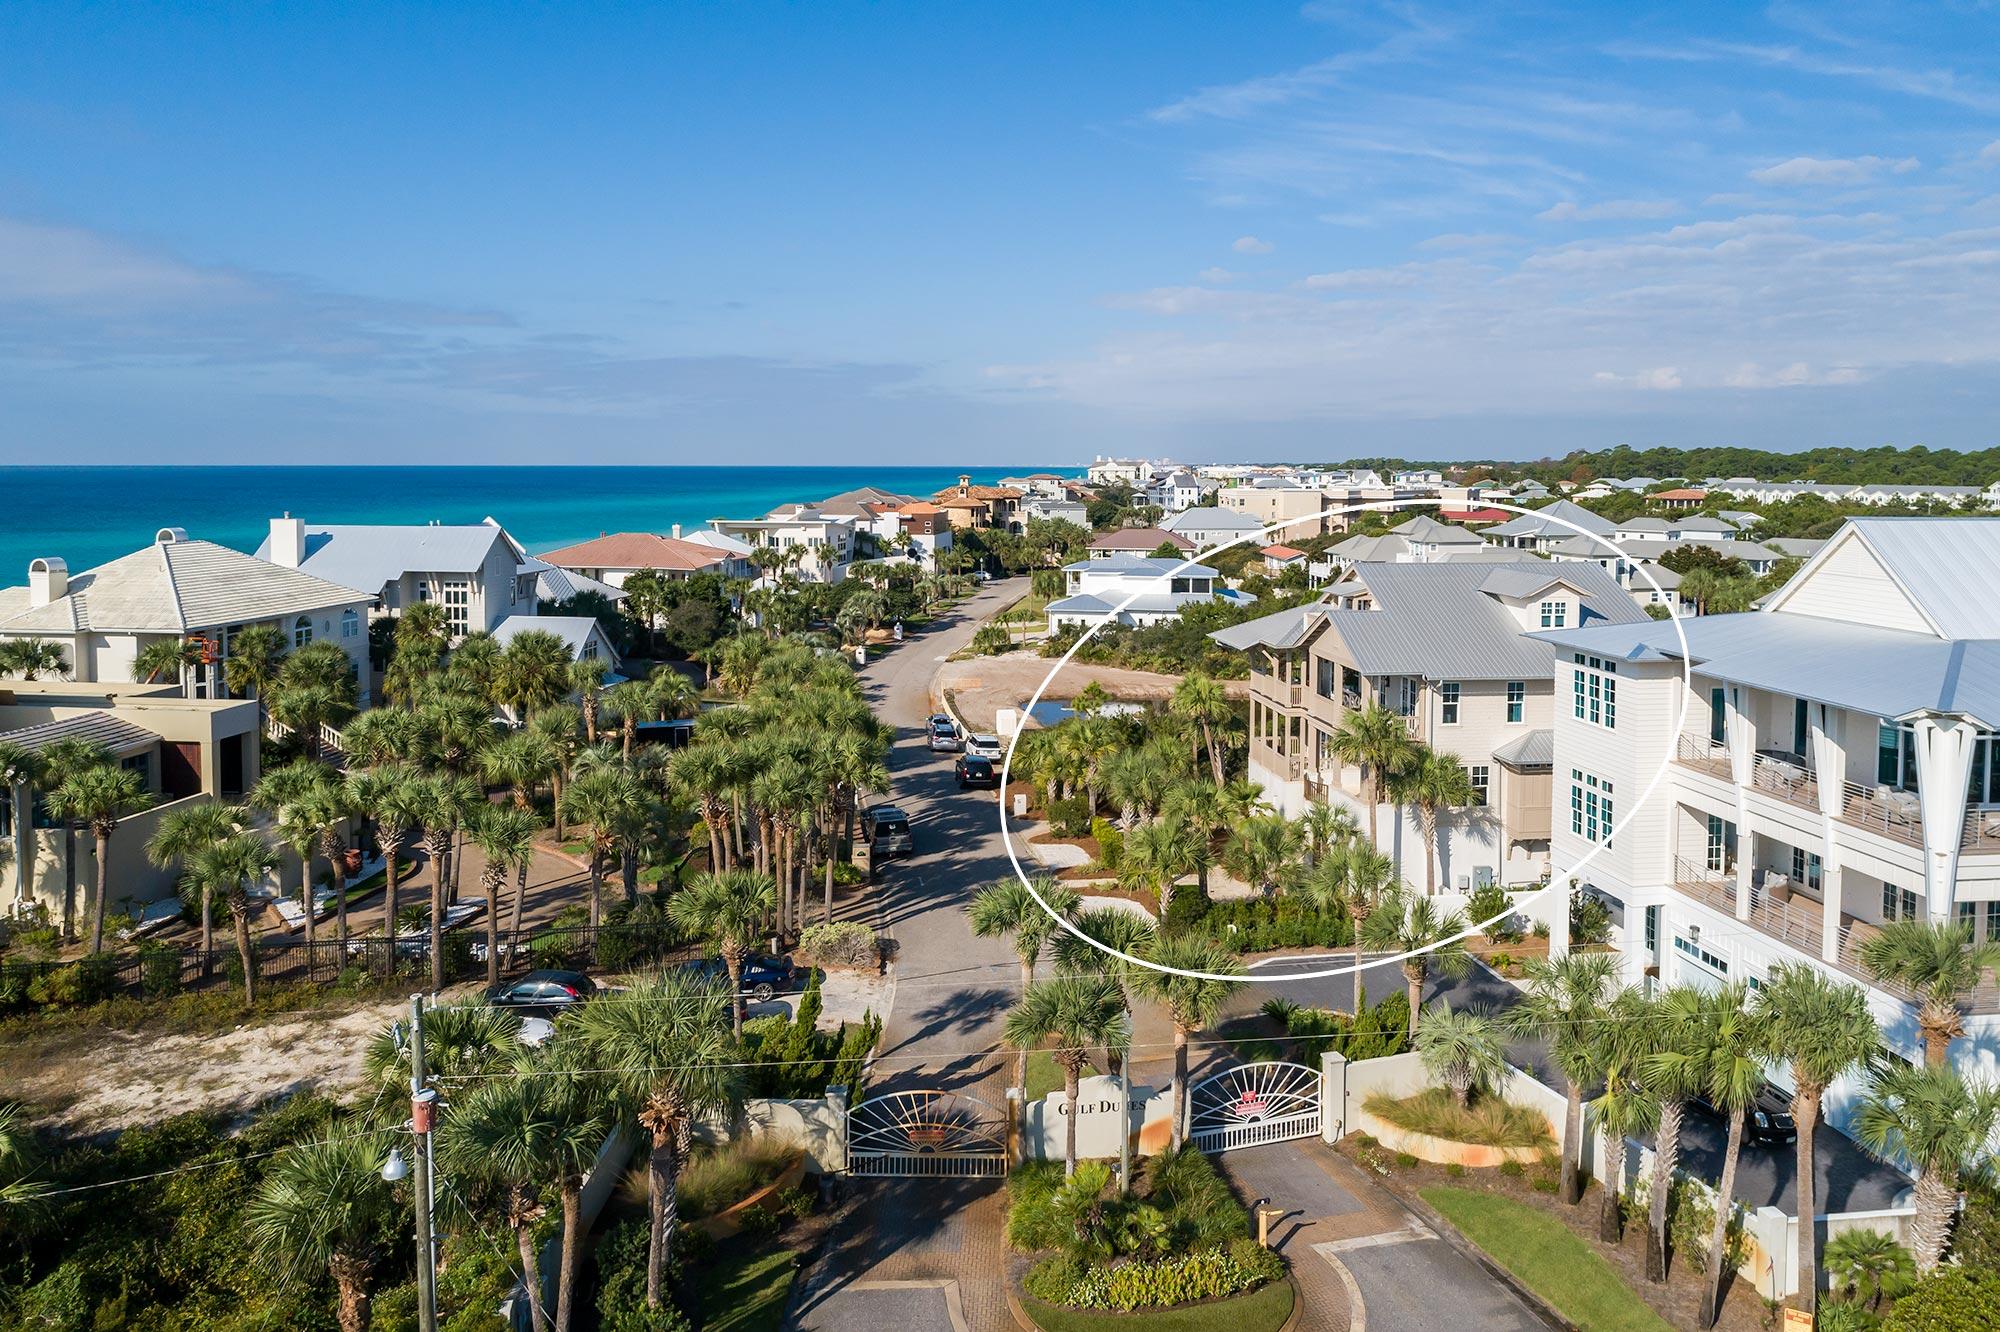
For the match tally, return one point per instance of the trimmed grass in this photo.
(744, 1289)
(1044, 1075)
(1262, 1310)
(1030, 609)
(1549, 1259)
(1488, 1122)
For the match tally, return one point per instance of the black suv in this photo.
(886, 829)
(544, 993)
(1769, 1120)
(976, 771)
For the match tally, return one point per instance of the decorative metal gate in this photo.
(1253, 1104)
(933, 1134)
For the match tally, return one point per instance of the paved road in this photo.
(1848, 1179)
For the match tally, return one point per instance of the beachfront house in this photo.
(474, 570)
(616, 556)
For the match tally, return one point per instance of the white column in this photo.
(1740, 740)
(1944, 769)
(1830, 767)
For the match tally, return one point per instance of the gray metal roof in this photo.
(1797, 548)
(1211, 520)
(1523, 581)
(369, 555)
(1703, 522)
(1139, 566)
(1946, 565)
(1423, 527)
(1540, 522)
(555, 583)
(1283, 629)
(98, 728)
(573, 630)
(1536, 749)
(1373, 548)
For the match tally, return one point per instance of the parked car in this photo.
(976, 771)
(985, 746)
(1770, 1118)
(764, 978)
(944, 736)
(886, 829)
(540, 997)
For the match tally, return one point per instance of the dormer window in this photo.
(1555, 614)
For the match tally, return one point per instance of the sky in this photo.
(918, 232)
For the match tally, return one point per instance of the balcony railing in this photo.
(1707, 755)
(1350, 699)
(1880, 809)
(1787, 781)
(1296, 694)
(1414, 724)
(1982, 829)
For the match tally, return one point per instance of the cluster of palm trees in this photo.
(1086, 1005)
(88, 790)
(1636, 1061)
(517, 1131)
(32, 658)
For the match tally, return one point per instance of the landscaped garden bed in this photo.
(1432, 1126)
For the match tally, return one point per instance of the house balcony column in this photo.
(1944, 771)
(1740, 738)
(1830, 765)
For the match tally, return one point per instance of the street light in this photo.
(395, 1170)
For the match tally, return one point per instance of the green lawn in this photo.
(1044, 1075)
(745, 1286)
(1262, 1310)
(1548, 1258)
(1030, 609)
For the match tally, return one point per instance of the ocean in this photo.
(88, 515)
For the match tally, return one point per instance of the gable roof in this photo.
(370, 555)
(1944, 566)
(555, 583)
(1423, 527)
(637, 550)
(174, 586)
(114, 734)
(1542, 522)
(1146, 539)
(1211, 519)
(573, 630)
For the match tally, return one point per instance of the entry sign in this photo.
(1097, 1119)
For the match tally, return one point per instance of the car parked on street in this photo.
(944, 736)
(886, 829)
(541, 997)
(976, 771)
(985, 746)
(764, 978)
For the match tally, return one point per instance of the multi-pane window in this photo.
(1555, 614)
(1970, 914)
(1481, 777)
(1896, 755)
(1590, 809)
(1325, 671)
(350, 624)
(1653, 930)
(1898, 903)
(458, 605)
(1721, 844)
(1517, 700)
(302, 631)
(1806, 868)
(1448, 702)
(1595, 685)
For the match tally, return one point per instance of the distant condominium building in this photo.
(1831, 766)
(1442, 646)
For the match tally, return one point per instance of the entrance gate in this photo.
(926, 1134)
(1253, 1104)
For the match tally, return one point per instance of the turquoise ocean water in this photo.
(88, 515)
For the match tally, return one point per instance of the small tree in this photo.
(1462, 1049)
(321, 1208)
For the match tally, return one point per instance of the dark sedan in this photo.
(764, 978)
(1769, 1121)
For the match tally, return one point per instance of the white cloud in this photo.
(1832, 170)
(1218, 275)
(54, 265)
(1751, 375)
(1990, 154)
(1609, 209)
(1661, 379)
(1366, 279)
(1251, 245)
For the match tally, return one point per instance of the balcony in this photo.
(1883, 810)
(1350, 699)
(1788, 781)
(1708, 756)
(1982, 829)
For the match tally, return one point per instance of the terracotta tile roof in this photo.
(920, 507)
(978, 493)
(636, 550)
(1682, 493)
(1480, 515)
(1146, 539)
(1283, 553)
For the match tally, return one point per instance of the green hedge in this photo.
(1209, 1275)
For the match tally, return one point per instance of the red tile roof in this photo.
(1683, 493)
(1140, 538)
(1481, 515)
(1282, 553)
(637, 550)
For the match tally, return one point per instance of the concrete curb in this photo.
(1291, 1323)
(1451, 1235)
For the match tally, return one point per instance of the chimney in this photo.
(288, 541)
(48, 580)
(677, 531)
(964, 484)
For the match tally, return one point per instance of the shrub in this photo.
(1110, 843)
(621, 1283)
(1843, 1316)
(1489, 901)
(1952, 1299)
(846, 943)
(717, 1178)
(1589, 919)
(1405, 1160)
(1153, 1285)
(634, 936)
(796, 1202)
(1488, 1121)
(1454, 1169)
(1070, 818)
(1512, 1169)
(1543, 1184)
(991, 641)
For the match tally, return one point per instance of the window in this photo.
(1801, 729)
(1718, 716)
(1806, 868)
(1721, 844)
(302, 631)
(1481, 777)
(1448, 702)
(589, 652)
(1555, 614)
(458, 605)
(1325, 671)
(1653, 931)
(1590, 811)
(1517, 701)
(1898, 903)
(350, 624)
(1706, 958)
(1896, 756)
(1596, 691)
(1407, 702)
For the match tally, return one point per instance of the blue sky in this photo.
(912, 232)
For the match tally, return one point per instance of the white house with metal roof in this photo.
(1210, 526)
(1548, 526)
(1833, 766)
(474, 570)
(1096, 591)
(183, 589)
(1442, 646)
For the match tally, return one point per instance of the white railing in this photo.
(1787, 781)
(328, 738)
(1708, 755)
(1881, 809)
(1982, 829)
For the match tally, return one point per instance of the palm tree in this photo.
(231, 866)
(521, 761)
(252, 664)
(1731, 1059)
(1326, 829)
(1192, 1002)
(1071, 1014)
(1007, 907)
(533, 673)
(1406, 923)
(732, 907)
(312, 809)
(445, 803)
(99, 796)
(56, 764)
(393, 797)
(703, 774)
(173, 657)
(1462, 1049)
(562, 726)
(519, 1134)
(506, 840)
(610, 800)
(1157, 854)
(179, 835)
(1941, 963)
(1625, 1107)
(1932, 1120)
(1137, 780)
(1368, 882)
(1434, 783)
(665, 1045)
(1672, 1068)
(1264, 852)
(31, 658)
(1200, 700)
(1870, 1263)
(1563, 1001)
(320, 1208)
(1375, 740)
(585, 678)
(1125, 933)
(1822, 1029)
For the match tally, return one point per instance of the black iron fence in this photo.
(158, 969)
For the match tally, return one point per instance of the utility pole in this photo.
(423, 1117)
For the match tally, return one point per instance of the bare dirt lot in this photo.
(982, 685)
